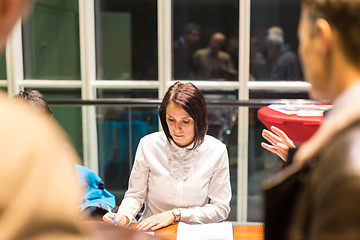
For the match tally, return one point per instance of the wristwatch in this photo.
(177, 214)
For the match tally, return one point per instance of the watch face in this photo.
(176, 212)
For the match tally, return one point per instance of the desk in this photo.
(298, 128)
(107, 231)
(241, 232)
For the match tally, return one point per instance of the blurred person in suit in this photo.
(317, 195)
(212, 62)
(184, 48)
(281, 63)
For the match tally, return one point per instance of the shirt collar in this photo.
(175, 147)
(346, 97)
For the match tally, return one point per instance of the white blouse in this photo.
(167, 176)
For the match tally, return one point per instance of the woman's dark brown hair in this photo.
(35, 99)
(192, 101)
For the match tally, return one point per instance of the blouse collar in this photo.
(181, 159)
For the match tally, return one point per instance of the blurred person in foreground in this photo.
(38, 181)
(94, 198)
(318, 195)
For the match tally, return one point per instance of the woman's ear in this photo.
(324, 37)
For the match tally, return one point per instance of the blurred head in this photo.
(35, 99)
(274, 44)
(276, 30)
(183, 113)
(191, 34)
(217, 41)
(10, 13)
(328, 31)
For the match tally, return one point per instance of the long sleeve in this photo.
(138, 183)
(219, 194)
(166, 176)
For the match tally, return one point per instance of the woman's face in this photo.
(180, 124)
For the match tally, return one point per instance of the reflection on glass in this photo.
(51, 41)
(126, 39)
(69, 117)
(205, 40)
(3, 67)
(223, 125)
(261, 165)
(273, 42)
(119, 132)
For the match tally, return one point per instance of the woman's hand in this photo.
(279, 140)
(156, 221)
(120, 219)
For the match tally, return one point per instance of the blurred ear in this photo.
(324, 37)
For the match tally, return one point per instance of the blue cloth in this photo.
(95, 194)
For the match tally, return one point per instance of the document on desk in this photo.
(210, 231)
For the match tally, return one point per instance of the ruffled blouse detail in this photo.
(181, 160)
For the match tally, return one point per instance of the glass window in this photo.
(69, 117)
(205, 39)
(223, 125)
(273, 40)
(51, 41)
(3, 67)
(262, 164)
(273, 57)
(126, 39)
(119, 131)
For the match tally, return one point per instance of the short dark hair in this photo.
(192, 101)
(35, 99)
(343, 15)
(189, 27)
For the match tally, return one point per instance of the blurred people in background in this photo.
(281, 64)
(184, 48)
(212, 62)
(257, 61)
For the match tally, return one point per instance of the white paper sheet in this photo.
(211, 231)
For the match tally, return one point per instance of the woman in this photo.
(181, 173)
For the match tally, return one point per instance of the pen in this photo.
(112, 216)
